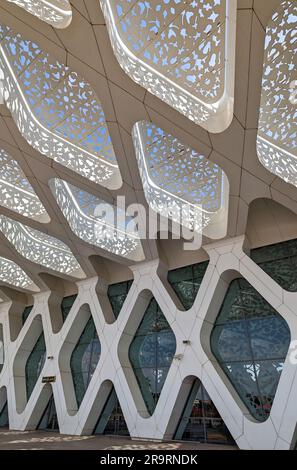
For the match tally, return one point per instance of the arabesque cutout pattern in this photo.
(83, 210)
(40, 248)
(277, 135)
(56, 110)
(12, 274)
(57, 13)
(16, 192)
(179, 182)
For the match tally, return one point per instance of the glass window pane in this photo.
(260, 335)
(201, 421)
(151, 353)
(66, 305)
(270, 337)
(279, 261)
(84, 359)
(186, 282)
(26, 313)
(34, 364)
(117, 294)
(231, 342)
(4, 417)
(268, 375)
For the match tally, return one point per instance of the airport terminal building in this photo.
(148, 219)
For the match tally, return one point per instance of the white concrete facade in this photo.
(228, 260)
(260, 210)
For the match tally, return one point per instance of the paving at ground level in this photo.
(37, 440)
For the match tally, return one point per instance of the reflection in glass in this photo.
(250, 340)
(201, 421)
(117, 294)
(84, 360)
(66, 305)
(151, 353)
(26, 313)
(277, 129)
(279, 261)
(186, 282)
(98, 222)
(57, 13)
(40, 248)
(34, 364)
(4, 423)
(112, 420)
(49, 420)
(1, 348)
(12, 274)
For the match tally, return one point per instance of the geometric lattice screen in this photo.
(4, 417)
(66, 305)
(277, 134)
(57, 13)
(153, 43)
(179, 182)
(56, 110)
(85, 214)
(279, 261)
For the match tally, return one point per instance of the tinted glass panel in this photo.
(151, 353)
(84, 360)
(4, 417)
(117, 294)
(112, 420)
(26, 313)
(66, 305)
(201, 421)
(186, 282)
(279, 261)
(35, 364)
(49, 420)
(250, 341)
